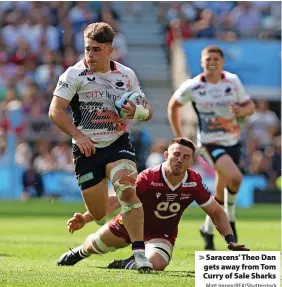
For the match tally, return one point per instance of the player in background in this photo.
(219, 100)
(165, 191)
(101, 147)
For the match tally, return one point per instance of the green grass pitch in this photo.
(33, 235)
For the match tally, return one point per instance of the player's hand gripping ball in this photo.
(133, 97)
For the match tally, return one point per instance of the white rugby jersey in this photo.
(217, 125)
(92, 96)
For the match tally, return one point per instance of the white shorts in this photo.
(161, 246)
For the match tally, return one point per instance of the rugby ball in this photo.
(122, 101)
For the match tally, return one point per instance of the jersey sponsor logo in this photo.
(167, 206)
(91, 80)
(228, 91)
(157, 184)
(158, 194)
(95, 116)
(171, 196)
(126, 151)
(119, 84)
(202, 93)
(63, 84)
(189, 184)
(185, 196)
(101, 93)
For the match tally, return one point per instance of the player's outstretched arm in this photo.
(78, 221)
(220, 220)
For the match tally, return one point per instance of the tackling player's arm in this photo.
(181, 96)
(220, 221)
(245, 106)
(79, 220)
(218, 217)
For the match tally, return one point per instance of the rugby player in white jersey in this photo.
(101, 147)
(219, 100)
(165, 191)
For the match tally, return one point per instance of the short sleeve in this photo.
(184, 93)
(243, 96)
(67, 86)
(141, 184)
(204, 196)
(134, 83)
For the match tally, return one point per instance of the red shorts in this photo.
(117, 228)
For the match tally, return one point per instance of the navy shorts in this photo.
(91, 170)
(211, 153)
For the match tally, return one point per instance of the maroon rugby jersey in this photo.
(163, 204)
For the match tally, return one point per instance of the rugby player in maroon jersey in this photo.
(165, 192)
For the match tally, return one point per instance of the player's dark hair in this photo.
(213, 49)
(185, 142)
(100, 32)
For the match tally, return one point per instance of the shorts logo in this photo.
(86, 177)
(126, 151)
(217, 152)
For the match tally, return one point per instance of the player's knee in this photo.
(236, 181)
(159, 264)
(129, 195)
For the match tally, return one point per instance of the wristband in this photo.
(141, 113)
(230, 238)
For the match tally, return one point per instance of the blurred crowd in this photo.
(39, 40)
(222, 20)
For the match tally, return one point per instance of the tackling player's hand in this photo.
(76, 222)
(237, 247)
(85, 144)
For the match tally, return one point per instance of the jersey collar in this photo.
(173, 188)
(204, 80)
(113, 66)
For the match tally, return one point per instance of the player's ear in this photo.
(165, 155)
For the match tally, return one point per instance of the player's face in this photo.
(179, 158)
(212, 62)
(97, 54)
